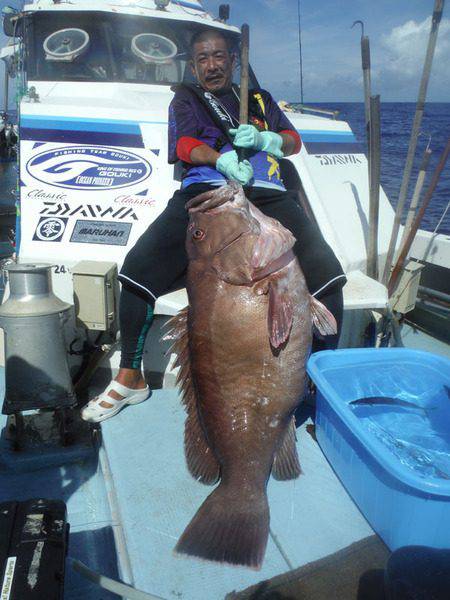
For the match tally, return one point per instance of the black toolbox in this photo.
(33, 548)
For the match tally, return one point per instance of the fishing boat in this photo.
(94, 85)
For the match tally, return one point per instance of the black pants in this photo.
(157, 263)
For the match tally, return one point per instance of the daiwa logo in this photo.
(88, 210)
(88, 168)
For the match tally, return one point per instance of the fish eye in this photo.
(198, 235)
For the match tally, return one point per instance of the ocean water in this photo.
(396, 123)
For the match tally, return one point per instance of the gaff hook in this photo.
(362, 27)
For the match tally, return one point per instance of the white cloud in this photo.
(403, 52)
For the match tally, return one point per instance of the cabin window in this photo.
(105, 47)
(120, 48)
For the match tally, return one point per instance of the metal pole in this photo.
(374, 183)
(300, 51)
(365, 59)
(415, 226)
(243, 101)
(245, 44)
(365, 63)
(6, 99)
(436, 19)
(416, 195)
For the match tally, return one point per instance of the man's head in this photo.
(211, 60)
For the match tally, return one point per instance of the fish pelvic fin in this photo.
(228, 528)
(200, 460)
(286, 464)
(322, 319)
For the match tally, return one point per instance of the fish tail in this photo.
(228, 528)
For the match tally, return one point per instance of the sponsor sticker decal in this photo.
(101, 232)
(88, 210)
(134, 200)
(50, 229)
(8, 578)
(88, 168)
(338, 159)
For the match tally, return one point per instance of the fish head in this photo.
(224, 234)
(233, 236)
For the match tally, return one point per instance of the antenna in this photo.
(300, 52)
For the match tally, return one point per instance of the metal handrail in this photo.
(298, 107)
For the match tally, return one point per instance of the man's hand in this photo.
(247, 136)
(229, 165)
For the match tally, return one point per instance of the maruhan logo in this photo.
(88, 168)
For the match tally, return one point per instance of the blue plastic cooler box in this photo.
(393, 454)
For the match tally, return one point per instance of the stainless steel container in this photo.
(37, 372)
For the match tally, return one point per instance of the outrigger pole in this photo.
(416, 223)
(435, 21)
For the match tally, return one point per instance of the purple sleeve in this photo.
(182, 122)
(276, 119)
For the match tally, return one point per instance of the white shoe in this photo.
(95, 412)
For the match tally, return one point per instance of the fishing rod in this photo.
(416, 223)
(435, 21)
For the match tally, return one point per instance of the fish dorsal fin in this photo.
(201, 462)
(323, 321)
(281, 311)
(286, 464)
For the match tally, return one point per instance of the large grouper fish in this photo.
(242, 345)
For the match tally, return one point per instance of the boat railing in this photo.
(297, 107)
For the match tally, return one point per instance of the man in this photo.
(158, 261)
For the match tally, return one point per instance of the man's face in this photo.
(212, 64)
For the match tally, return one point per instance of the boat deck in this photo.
(311, 517)
(129, 503)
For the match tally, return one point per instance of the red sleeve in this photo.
(185, 145)
(297, 139)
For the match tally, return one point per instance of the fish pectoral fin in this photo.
(286, 464)
(201, 462)
(280, 314)
(323, 321)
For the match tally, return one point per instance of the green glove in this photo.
(229, 165)
(247, 136)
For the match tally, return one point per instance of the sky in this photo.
(398, 32)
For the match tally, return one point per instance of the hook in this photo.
(362, 27)
(429, 139)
